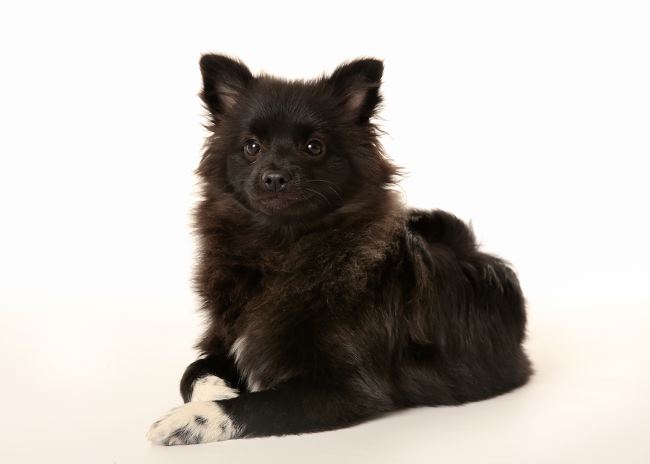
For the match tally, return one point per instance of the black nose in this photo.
(275, 181)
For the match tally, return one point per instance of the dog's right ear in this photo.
(224, 80)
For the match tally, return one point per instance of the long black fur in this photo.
(348, 303)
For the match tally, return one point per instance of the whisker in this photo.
(329, 184)
(319, 194)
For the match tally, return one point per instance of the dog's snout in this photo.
(275, 181)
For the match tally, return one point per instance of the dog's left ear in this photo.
(225, 79)
(357, 84)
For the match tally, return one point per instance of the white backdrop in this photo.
(531, 119)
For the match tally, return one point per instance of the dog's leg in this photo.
(211, 378)
(287, 409)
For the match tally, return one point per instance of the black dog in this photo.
(328, 301)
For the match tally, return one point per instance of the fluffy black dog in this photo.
(328, 301)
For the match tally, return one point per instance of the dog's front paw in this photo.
(195, 422)
(211, 388)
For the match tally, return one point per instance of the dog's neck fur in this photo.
(237, 235)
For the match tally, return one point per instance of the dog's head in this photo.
(292, 150)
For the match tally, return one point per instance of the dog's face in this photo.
(292, 150)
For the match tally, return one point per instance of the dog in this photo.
(328, 301)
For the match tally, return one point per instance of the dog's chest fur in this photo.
(291, 311)
(276, 332)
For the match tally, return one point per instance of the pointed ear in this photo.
(224, 80)
(357, 83)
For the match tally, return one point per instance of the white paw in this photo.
(195, 422)
(211, 388)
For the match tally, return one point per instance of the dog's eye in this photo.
(252, 147)
(314, 147)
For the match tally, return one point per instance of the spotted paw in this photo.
(194, 422)
(212, 388)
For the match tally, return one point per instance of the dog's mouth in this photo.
(276, 202)
(279, 202)
(287, 203)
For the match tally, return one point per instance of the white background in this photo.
(531, 119)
